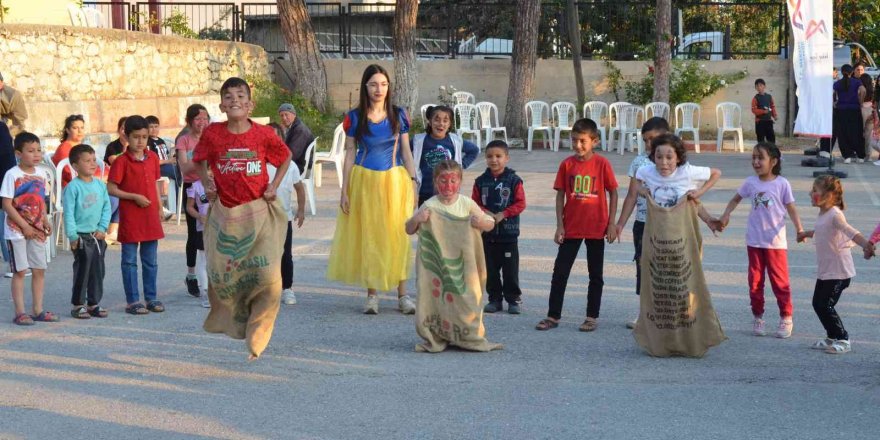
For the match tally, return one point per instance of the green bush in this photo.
(689, 82)
(268, 96)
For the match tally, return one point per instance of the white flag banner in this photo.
(812, 61)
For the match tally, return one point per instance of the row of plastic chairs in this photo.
(480, 120)
(84, 16)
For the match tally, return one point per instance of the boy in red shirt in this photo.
(582, 215)
(133, 180)
(237, 152)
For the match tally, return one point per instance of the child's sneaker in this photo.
(493, 307)
(288, 297)
(372, 306)
(784, 329)
(839, 346)
(822, 344)
(206, 303)
(513, 309)
(632, 324)
(192, 286)
(406, 305)
(758, 327)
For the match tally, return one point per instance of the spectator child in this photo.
(437, 145)
(133, 180)
(499, 192)
(765, 113)
(23, 195)
(86, 218)
(650, 129)
(111, 153)
(771, 197)
(292, 182)
(582, 215)
(197, 207)
(196, 120)
(833, 238)
(166, 163)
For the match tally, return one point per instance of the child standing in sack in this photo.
(237, 151)
(86, 218)
(586, 199)
(499, 192)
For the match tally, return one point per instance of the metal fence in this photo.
(610, 29)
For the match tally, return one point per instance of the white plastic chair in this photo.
(77, 15)
(464, 98)
(728, 117)
(48, 170)
(630, 119)
(597, 111)
(564, 114)
(94, 17)
(307, 178)
(180, 207)
(489, 121)
(535, 111)
(424, 111)
(334, 156)
(614, 120)
(687, 120)
(659, 109)
(467, 117)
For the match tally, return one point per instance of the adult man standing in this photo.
(12, 110)
(297, 135)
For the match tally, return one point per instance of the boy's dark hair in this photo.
(773, 152)
(135, 122)
(23, 139)
(152, 120)
(760, 81)
(498, 143)
(674, 142)
(235, 82)
(655, 123)
(585, 126)
(79, 150)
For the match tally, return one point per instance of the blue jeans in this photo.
(130, 270)
(5, 251)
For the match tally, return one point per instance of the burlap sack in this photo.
(676, 317)
(243, 246)
(451, 271)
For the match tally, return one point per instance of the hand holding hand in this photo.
(802, 236)
(611, 232)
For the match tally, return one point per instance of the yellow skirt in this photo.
(370, 246)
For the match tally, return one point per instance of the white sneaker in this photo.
(847, 160)
(206, 303)
(758, 327)
(632, 324)
(372, 306)
(287, 297)
(860, 160)
(839, 346)
(784, 329)
(406, 305)
(7, 275)
(877, 163)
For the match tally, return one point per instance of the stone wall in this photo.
(488, 80)
(107, 73)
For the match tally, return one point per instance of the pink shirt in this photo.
(186, 144)
(766, 226)
(833, 238)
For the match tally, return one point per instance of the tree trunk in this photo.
(574, 37)
(524, 60)
(406, 74)
(310, 78)
(663, 55)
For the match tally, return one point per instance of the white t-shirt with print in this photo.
(28, 192)
(285, 190)
(667, 191)
(638, 163)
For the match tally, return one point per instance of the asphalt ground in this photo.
(332, 373)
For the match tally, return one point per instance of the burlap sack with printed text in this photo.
(451, 271)
(676, 317)
(243, 246)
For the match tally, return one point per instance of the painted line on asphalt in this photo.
(857, 170)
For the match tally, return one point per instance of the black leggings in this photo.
(825, 297)
(192, 242)
(568, 251)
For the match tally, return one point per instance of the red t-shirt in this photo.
(586, 203)
(239, 160)
(138, 224)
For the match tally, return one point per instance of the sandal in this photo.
(136, 309)
(546, 324)
(839, 347)
(46, 316)
(589, 325)
(80, 312)
(98, 312)
(23, 319)
(155, 306)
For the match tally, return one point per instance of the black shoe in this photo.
(513, 309)
(192, 287)
(493, 307)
